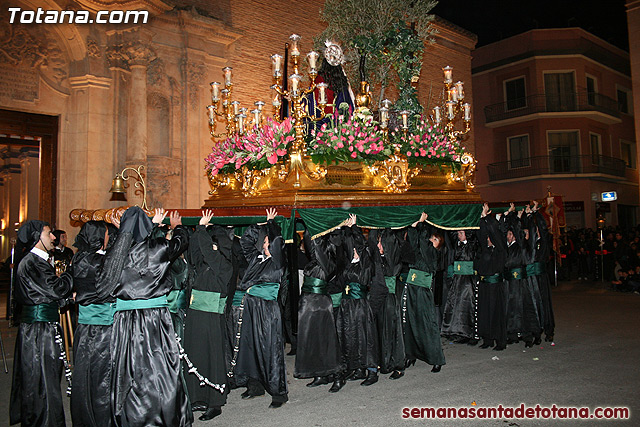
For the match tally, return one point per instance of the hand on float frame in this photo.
(271, 213)
(206, 217)
(175, 219)
(485, 210)
(159, 214)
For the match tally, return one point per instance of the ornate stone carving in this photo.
(155, 72)
(157, 100)
(139, 53)
(195, 74)
(93, 49)
(116, 57)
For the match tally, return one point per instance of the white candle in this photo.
(450, 105)
(405, 119)
(241, 118)
(294, 79)
(259, 105)
(322, 87)
(384, 117)
(386, 103)
(256, 117)
(460, 90)
(312, 58)
(436, 115)
(277, 64)
(211, 110)
(453, 95)
(215, 91)
(467, 111)
(276, 96)
(227, 75)
(448, 71)
(294, 44)
(236, 107)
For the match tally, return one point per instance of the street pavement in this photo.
(594, 362)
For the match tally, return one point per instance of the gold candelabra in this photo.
(234, 116)
(118, 185)
(453, 108)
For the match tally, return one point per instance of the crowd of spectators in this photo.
(616, 260)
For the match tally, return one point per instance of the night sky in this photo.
(494, 20)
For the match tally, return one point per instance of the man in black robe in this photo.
(210, 256)
(36, 399)
(260, 353)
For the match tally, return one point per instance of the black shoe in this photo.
(249, 395)
(337, 385)
(548, 338)
(537, 341)
(461, 340)
(210, 414)
(372, 378)
(396, 375)
(409, 362)
(499, 347)
(358, 374)
(436, 368)
(198, 406)
(318, 381)
(486, 344)
(528, 344)
(472, 341)
(275, 405)
(513, 341)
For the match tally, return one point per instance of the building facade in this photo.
(554, 108)
(99, 97)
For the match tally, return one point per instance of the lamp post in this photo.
(118, 186)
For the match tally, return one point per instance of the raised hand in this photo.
(159, 215)
(512, 207)
(271, 213)
(206, 217)
(175, 219)
(485, 210)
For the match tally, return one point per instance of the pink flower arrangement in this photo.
(258, 149)
(425, 143)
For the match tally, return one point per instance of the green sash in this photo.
(495, 278)
(177, 300)
(517, 273)
(40, 313)
(266, 291)
(313, 285)
(450, 271)
(391, 283)
(141, 304)
(336, 299)
(97, 314)
(535, 269)
(211, 302)
(354, 291)
(237, 298)
(463, 268)
(419, 278)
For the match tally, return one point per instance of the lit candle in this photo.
(453, 95)
(256, 117)
(211, 110)
(259, 105)
(276, 97)
(384, 117)
(215, 92)
(450, 105)
(405, 119)
(295, 81)
(467, 111)
(277, 64)
(236, 107)
(294, 44)
(436, 115)
(312, 58)
(460, 90)
(240, 118)
(322, 87)
(227, 75)
(386, 103)
(447, 74)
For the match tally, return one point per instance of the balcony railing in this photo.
(542, 103)
(551, 165)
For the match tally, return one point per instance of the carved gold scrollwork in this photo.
(394, 174)
(250, 180)
(217, 182)
(466, 172)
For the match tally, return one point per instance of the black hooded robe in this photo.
(36, 399)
